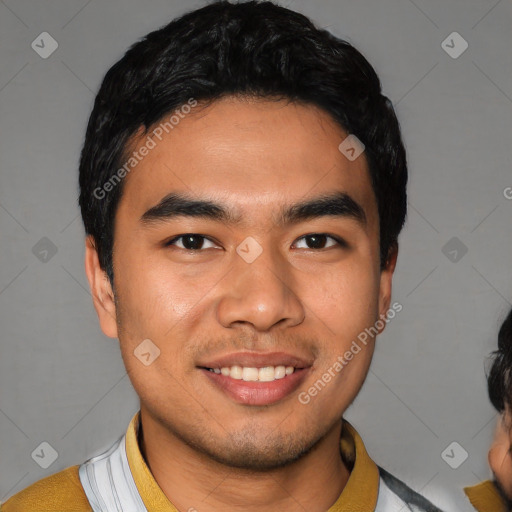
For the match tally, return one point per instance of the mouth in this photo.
(256, 379)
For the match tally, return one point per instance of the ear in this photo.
(499, 456)
(386, 279)
(101, 290)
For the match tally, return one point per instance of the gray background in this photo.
(63, 382)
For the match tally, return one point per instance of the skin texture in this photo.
(256, 156)
(500, 453)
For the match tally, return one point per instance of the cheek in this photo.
(347, 299)
(163, 303)
(154, 291)
(345, 309)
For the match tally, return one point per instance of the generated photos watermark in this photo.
(150, 143)
(369, 333)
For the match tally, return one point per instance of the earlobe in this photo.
(101, 290)
(386, 279)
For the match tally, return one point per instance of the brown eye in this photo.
(190, 242)
(320, 241)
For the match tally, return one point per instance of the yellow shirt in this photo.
(63, 491)
(485, 497)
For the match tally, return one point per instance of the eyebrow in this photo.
(337, 204)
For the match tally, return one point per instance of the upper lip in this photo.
(256, 360)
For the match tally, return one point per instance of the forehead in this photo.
(252, 153)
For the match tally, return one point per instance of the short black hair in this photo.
(257, 49)
(499, 382)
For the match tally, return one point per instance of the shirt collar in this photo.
(359, 495)
(485, 497)
(362, 489)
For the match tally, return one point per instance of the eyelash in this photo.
(340, 242)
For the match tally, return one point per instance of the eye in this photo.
(190, 242)
(320, 241)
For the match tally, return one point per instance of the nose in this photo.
(260, 294)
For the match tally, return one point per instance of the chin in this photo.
(250, 457)
(253, 450)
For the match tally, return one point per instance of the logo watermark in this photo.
(363, 337)
(150, 143)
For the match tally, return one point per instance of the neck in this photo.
(191, 480)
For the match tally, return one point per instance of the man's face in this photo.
(268, 290)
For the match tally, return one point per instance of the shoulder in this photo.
(396, 492)
(55, 493)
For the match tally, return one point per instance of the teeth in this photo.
(279, 372)
(236, 372)
(266, 374)
(250, 374)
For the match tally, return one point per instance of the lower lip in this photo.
(255, 392)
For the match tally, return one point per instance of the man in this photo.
(242, 185)
(496, 495)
